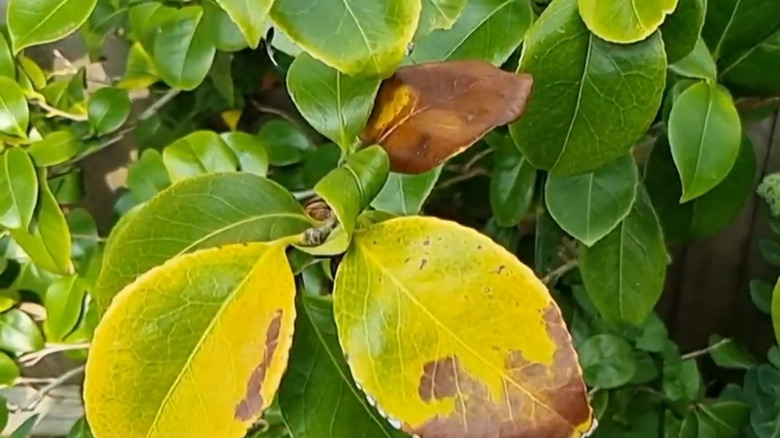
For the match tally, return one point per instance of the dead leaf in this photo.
(427, 113)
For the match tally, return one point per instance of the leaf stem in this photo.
(51, 111)
(33, 401)
(704, 351)
(560, 271)
(32, 358)
(459, 178)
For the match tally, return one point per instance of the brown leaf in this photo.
(427, 113)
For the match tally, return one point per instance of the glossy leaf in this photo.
(705, 136)
(682, 28)
(512, 183)
(202, 212)
(197, 154)
(47, 241)
(438, 14)
(736, 25)
(489, 30)
(180, 66)
(63, 301)
(14, 113)
(250, 151)
(427, 113)
(697, 64)
(250, 17)
(108, 109)
(55, 148)
(722, 420)
(591, 205)
(385, 302)
(333, 103)
(371, 37)
(9, 371)
(80, 430)
(226, 35)
(624, 21)
(18, 189)
(147, 176)
(7, 63)
(18, 333)
(577, 75)
(244, 293)
(285, 143)
(318, 389)
(747, 70)
(730, 354)
(37, 22)
(607, 361)
(624, 272)
(404, 195)
(761, 294)
(140, 71)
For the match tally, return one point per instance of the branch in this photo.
(159, 103)
(56, 112)
(459, 178)
(33, 401)
(704, 351)
(30, 359)
(560, 271)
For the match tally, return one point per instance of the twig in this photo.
(33, 401)
(56, 112)
(30, 359)
(271, 110)
(473, 161)
(459, 178)
(710, 349)
(159, 103)
(560, 271)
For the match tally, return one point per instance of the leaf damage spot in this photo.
(423, 262)
(253, 403)
(438, 379)
(500, 269)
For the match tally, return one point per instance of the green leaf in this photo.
(108, 109)
(318, 388)
(55, 148)
(201, 212)
(221, 76)
(733, 26)
(285, 143)
(333, 103)
(197, 154)
(183, 66)
(226, 35)
(3, 413)
(438, 14)
(730, 354)
(591, 205)
(697, 64)
(705, 135)
(646, 370)
(33, 71)
(140, 71)
(487, 29)
(18, 189)
(405, 194)
(7, 64)
(681, 379)
(250, 151)
(707, 214)
(622, 21)
(607, 361)
(748, 69)
(83, 230)
(63, 306)
(147, 176)
(682, 28)
(654, 335)
(576, 76)
(34, 22)
(80, 429)
(9, 372)
(761, 294)
(250, 16)
(25, 430)
(776, 309)
(512, 184)
(624, 272)
(690, 426)
(68, 188)
(371, 37)
(18, 333)
(14, 113)
(48, 240)
(722, 419)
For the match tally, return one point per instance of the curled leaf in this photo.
(427, 113)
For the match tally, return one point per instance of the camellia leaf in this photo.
(147, 176)
(591, 205)
(226, 35)
(734, 26)
(371, 38)
(7, 64)
(318, 389)
(80, 430)
(196, 213)
(489, 30)
(197, 154)
(14, 113)
(55, 148)
(438, 14)
(18, 332)
(705, 135)
(623, 84)
(697, 64)
(746, 69)
(142, 335)
(682, 28)
(625, 21)
(624, 272)
(180, 66)
(607, 361)
(140, 71)
(513, 182)
(722, 419)
(250, 17)
(285, 143)
(108, 109)
(249, 150)
(63, 306)
(404, 195)
(428, 113)
(482, 369)
(9, 371)
(333, 103)
(44, 21)
(776, 310)
(727, 353)
(18, 189)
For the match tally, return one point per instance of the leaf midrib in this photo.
(53, 11)
(478, 25)
(700, 148)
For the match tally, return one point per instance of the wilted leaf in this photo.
(591, 205)
(705, 135)
(428, 113)
(181, 66)
(18, 333)
(249, 16)
(682, 28)
(33, 22)
(14, 113)
(489, 30)
(197, 213)
(241, 293)
(607, 361)
(625, 21)
(512, 183)
(438, 14)
(18, 189)
(483, 378)
(55, 148)
(370, 38)
(404, 195)
(108, 109)
(592, 100)
(199, 153)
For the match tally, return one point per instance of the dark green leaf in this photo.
(624, 272)
(770, 250)
(607, 361)
(512, 184)
(405, 194)
(697, 64)
(197, 154)
(722, 419)
(147, 176)
(183, 66)
(18, 189)
(55, 148)
(646, 370)
(108, 109)
(333, 103)
(487, 29)
(547, 247)
(776, 309)
(733, 26)
(318, 163)
(84, 232)
(63, 306)
(682, 28)
(438, 14)
(285, 143)
(690, 426)
(221, 76)
(14, 113)
(80, 429)
(25, 430)
(33, 22)
(681, 379)
(18, 333)
(9, 372)
(728, 353)
(250, 151)
(250, 17)
(591, 205)
(3, 413)
(761, 294)
(748, 70)
(654, 335)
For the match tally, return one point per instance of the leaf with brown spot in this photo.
(453, 337)
(195, 347)
(427, 113)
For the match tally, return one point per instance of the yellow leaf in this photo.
(453, 337)
(194, 348)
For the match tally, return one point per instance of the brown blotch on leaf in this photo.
(253, 403)
(438, 380)
(423, 262)
(427, 113)
(500, 269)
